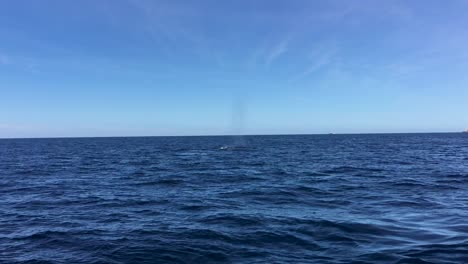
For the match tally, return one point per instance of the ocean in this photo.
(370, 198)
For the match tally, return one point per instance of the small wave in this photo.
(350, 169)
(232, 220)
(285, 199)
(165, 182)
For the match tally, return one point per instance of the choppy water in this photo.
(400, 198)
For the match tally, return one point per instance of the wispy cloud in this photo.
(29, 65)
(319, 58)
(176, 27)
(320, 62)
(277, 51)
(4, 59)
(268, 51)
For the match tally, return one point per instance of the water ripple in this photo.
(270, 199)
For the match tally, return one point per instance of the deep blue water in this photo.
(389, 198)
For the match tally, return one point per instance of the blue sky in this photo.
(137, 67)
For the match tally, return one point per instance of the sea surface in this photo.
(381, 198)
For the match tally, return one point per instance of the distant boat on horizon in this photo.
(465, 131)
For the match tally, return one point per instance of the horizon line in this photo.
(232, 135)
